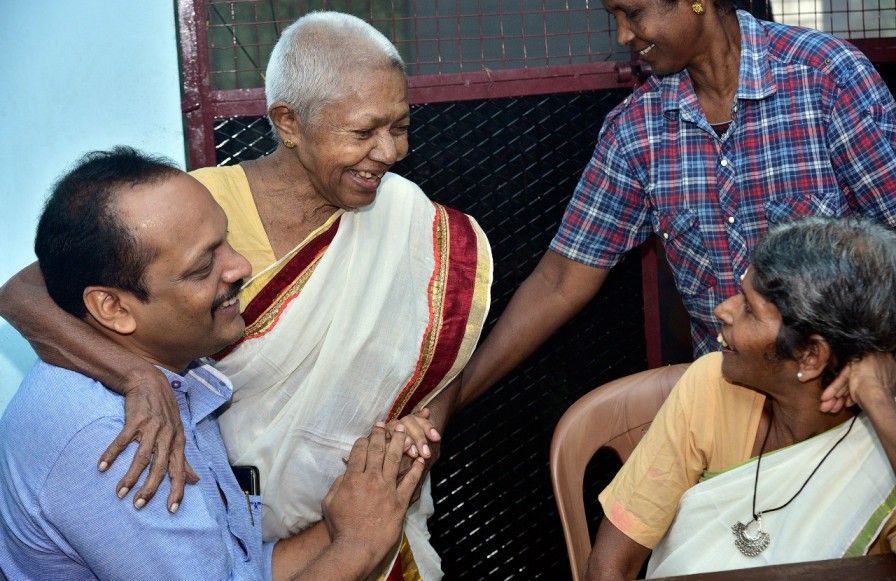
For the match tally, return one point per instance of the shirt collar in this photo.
(207, 388)
(755, 80)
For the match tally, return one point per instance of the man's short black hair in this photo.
(81, 240)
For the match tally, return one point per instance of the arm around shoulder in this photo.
(64, 340)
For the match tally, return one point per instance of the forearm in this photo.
(294, 556)
(64, 340)
(339, 561)
(614, 555)
(881, 410)
(555, 292)
(443, 406)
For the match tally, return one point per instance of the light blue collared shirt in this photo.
(60, 517)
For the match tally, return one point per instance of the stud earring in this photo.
(698, 8)
(799, 375)
(289, 144)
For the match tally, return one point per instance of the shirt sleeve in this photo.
(704, 425)
(606, 216)
(863, 141)
(117, 541)
(643, 497)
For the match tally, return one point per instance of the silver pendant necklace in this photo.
(749, 538)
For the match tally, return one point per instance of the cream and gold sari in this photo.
(366, 320)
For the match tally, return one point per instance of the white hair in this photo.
(310, 60)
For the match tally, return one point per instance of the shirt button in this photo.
(731, 219)
(666, 235)
(175, 384)
(724, 163)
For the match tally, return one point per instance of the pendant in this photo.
(749, 538)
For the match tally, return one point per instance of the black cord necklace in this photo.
(749, 538)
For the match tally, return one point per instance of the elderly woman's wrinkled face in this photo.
(353, 142)
(749, 332)
(663, 34)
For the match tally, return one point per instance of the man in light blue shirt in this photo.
(138, 249)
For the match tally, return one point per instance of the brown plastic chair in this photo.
(615, 415)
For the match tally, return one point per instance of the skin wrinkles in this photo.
(365, 132)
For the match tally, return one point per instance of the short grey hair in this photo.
(834, 277)
(310, 60)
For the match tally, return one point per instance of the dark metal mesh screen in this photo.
(433, 36)
(437, 37)
(507, 163)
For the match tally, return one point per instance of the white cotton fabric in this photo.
(821, 522)
(335, 363)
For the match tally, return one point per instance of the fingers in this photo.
(357, 459)
(123, 440)
(376, 449)
(407, 488)
(190, 474)
(419, 431)
(431, 433)
(158, 469)
(141, 460)
(391, 460)
(152, 417)
(177, 489)
(836, 395)
(177, 471)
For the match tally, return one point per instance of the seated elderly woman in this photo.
(751, 461)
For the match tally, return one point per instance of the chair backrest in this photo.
(615, 415)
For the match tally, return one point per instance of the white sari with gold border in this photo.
(838, 514)
(368, 319)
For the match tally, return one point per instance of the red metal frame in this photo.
(878, 50)
(457, 87)
(196, 98)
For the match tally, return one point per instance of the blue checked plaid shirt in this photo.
(812, 133)
(60, 518)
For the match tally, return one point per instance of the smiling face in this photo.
(664, 34)
(749, 333)
(192, 309)
(351, 143)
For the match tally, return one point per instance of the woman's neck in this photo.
(797, 418)
(715, 74)
(287, 203)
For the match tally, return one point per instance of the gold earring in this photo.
(697, 8)
(289, 144)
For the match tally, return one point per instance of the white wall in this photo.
(75, 76)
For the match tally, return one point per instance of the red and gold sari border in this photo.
(451, 292)
(283, 285)
(291, 271)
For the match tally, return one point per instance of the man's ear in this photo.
(286, 121)
(814, 359)
(110, 308)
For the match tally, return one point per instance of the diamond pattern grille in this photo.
(512, 164)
